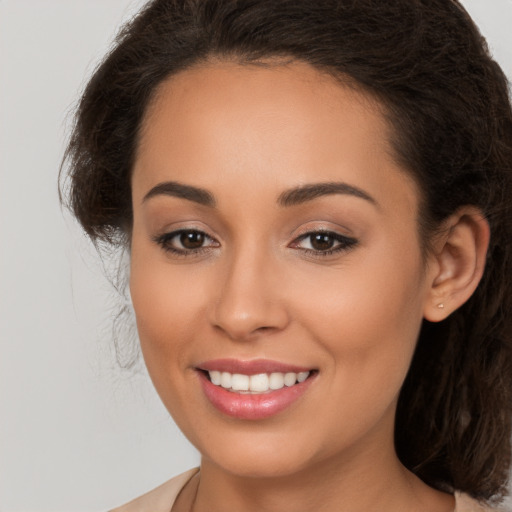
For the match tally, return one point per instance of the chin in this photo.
(260, 467)
(272, 455)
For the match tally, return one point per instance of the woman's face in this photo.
(275, 239)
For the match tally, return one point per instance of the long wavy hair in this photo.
(448, 104)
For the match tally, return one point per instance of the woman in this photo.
(316, 201)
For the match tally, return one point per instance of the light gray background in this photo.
(77, 434)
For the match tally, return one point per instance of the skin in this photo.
(247, 134)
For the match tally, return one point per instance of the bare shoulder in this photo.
(159, 499)
(468, 504)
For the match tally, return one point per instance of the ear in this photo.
(457, 263)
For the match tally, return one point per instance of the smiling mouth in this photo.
(253, 390)
(259, 383)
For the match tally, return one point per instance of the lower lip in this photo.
(247, 406)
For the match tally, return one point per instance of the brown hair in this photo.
(448, 102)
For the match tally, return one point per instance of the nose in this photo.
(248, 300)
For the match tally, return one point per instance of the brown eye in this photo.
(192, 239)
(322, 241)
(185, 242)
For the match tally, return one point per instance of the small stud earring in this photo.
(440, 306)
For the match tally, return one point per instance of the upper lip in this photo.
(250, 367)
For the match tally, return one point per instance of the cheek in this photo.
(167, 310)
(167, 307)
(160, 303)
(367, 318)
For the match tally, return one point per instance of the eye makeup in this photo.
(190, 242)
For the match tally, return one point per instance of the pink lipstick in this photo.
(253, 390)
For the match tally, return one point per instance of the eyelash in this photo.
(165, 241)
(344, 243)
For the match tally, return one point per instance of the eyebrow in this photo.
(312, 191)
(292, 197)
(175, 189)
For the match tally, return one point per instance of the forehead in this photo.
(287, 121)
(294, 92)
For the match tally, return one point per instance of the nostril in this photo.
(241, 331)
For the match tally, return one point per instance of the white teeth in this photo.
(225, 380)
(302, 376)
(240, 382)
(290, 379)
(215, 377)
(259, 383)
(276, 381)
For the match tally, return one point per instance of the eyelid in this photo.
(324, 226)
(345, 242)
(342, 243)
(164, 239)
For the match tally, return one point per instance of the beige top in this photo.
(163, 497)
